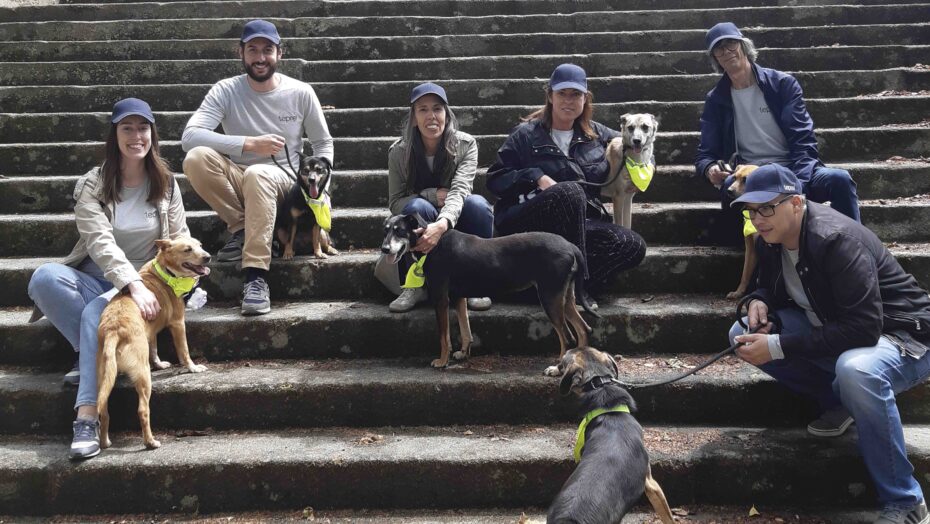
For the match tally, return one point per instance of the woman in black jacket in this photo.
(536, 173)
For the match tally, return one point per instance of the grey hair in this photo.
(409, 127)
(748, 48)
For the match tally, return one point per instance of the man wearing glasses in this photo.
(851, 327)
(758, 115)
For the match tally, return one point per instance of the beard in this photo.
(249, 70)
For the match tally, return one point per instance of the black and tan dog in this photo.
(312, 184)
(463, 265)
(613, 466)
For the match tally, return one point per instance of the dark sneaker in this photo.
(73, 377)
(479, 303)
(86, 441)
(232, 251)
(832, 423)
(256, 297)
(898, 515)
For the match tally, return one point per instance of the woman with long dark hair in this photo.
(121, 208)
(536, 177)
(431, 170)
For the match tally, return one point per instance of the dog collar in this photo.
(180, 285)
(580, 435)
(415, 275)
(597, 382)
(321, 210)
(640, 173)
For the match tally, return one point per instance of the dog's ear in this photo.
(623, 119)
(420, 222)
(570, 379)
(655, 123)
(613, 362)
(162, 244)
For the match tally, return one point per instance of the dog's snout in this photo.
(637, 141)
(206, 258)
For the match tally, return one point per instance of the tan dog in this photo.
(126, 342)
(635, 145)
(750, 259)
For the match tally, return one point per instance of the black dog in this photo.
(462, 266)
(613, 471)
(312, 182)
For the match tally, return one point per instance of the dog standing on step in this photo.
(309, 194)
(632, 164)
(613, 468)
(463, 265)
(126, 342)
(750, 259)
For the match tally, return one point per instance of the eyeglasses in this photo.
(766, 210)
(726, 45)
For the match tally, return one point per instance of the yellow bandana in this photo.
(748, 228)
(640, 174)
(579, 437)
(180, 285)
(321, 210)
(415, 276)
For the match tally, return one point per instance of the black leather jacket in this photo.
(854, 285)
(529, 153)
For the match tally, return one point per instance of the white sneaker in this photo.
(479, 303)
(897, 515)
(408, 299)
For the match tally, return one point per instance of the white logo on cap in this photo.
(789, 188)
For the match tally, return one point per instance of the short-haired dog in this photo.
(126, 341)
(750, 259)
(613, 468)
(632, 163)
(463, 265)
(310, 188)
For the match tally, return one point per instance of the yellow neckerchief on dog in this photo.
(748, 228)
(180, 285)
(579, 437)
(640, 173)
(415, 275)
(321, 211)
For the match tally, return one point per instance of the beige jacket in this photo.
(93, 220)
(458, 177)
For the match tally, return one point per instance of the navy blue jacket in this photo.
(529, 153)
(783, 96)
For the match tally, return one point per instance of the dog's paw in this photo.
(105, 442)
(161, 364)
(332, 251)
(552, 371)
(153, 444)
(735, 295)
(460, 355)
(439, 363)
(321, 255)
(288, 254)
(197, 368)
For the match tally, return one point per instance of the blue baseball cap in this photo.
(767, 183)
(260, 29)
(428, 88)
(131, 106)
(722, 31)
(568, 76)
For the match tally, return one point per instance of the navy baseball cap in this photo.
(722, 31)
(260, 29)
(767, 183)
(131, 106)
(568, 76)
(428, 88)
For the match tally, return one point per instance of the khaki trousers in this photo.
(244, 197)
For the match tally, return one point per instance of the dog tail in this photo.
(580, 295)
(106, 366)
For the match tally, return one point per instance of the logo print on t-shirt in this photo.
(764, 110)
(288, 118)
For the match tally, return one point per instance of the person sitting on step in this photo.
(262, 113)
(121, 209)
(431, 171)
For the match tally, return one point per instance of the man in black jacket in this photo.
(851, 327)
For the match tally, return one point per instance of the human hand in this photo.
(264, 145)
(754, 349)
(145, 299)
(441, 194)
(430, 235)
(716, 175)
(545, 182)
(759, 317)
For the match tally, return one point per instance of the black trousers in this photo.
(562, 209)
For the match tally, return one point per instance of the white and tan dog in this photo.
(631, 163)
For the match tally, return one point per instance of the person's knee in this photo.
(422, 207)
(43, 281)
(478, 206)
(197, 159)
(855, 375)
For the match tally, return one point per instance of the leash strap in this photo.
(180, 285)
(293, 172)
(580, 435)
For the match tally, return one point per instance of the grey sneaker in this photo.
(86, 441)
(73, 377)
(479, 303)
(256, 297)
(898, 515)
(408, 299)
(232, 251)
(832, 423)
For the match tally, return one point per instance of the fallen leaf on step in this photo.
(753, 512)
(369, 438)
(468, 432)
(681, 512)
(650, 298)
(193, 433)
(308, 513)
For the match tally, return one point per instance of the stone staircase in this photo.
(329, 401)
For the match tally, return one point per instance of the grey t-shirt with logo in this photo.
(135, 229)
(759, 140)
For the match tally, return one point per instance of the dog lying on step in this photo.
(309, 194)
(750, 259)
(613, 466)
(631, 164)
(126, 342)
(463, 265)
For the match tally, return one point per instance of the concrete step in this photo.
(676, 116)
(879, 180)
(428, 467)
(489, 389)
(167, 96)
(359, 228)
(358, 153)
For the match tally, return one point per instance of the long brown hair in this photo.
(544, 114)
(155, 166)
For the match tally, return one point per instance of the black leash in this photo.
(293, 172)
(611, 181)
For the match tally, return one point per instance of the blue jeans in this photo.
(827, 184)
(73, 302)
(865, 381)
(477, 216)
